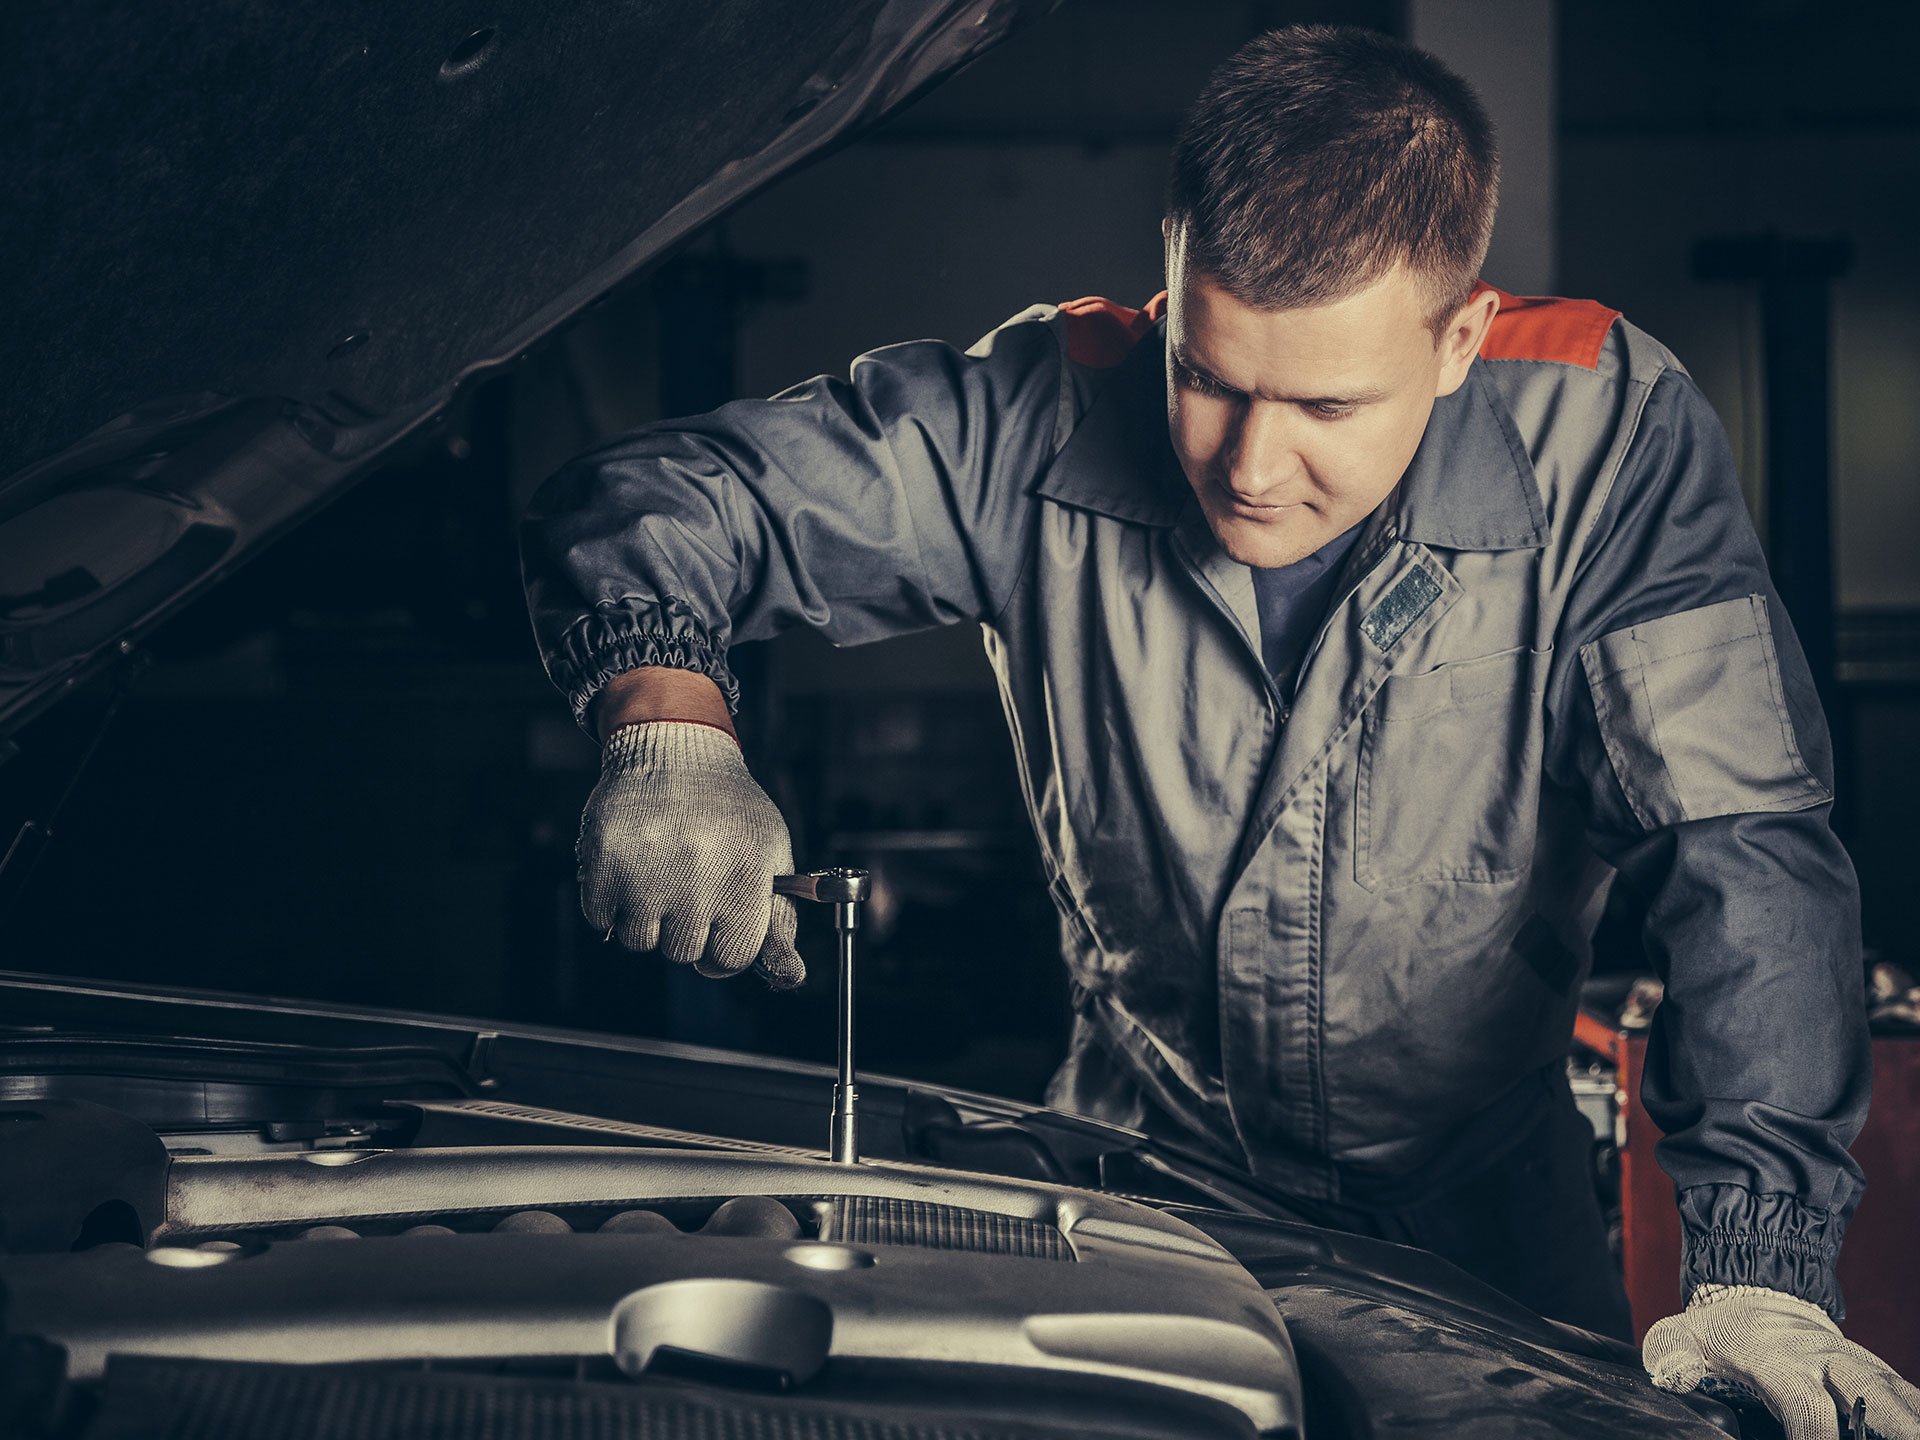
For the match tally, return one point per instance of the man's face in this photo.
(1292, 425)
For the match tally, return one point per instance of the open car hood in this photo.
(253, 247)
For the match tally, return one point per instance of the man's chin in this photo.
(1268, 544)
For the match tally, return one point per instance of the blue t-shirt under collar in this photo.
(1293, 600)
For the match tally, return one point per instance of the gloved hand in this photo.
(678, 850)
(1786, 1351)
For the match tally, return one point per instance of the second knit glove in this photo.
(1786, 1351)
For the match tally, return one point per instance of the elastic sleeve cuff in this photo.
(1776, 1242)
(626, 634)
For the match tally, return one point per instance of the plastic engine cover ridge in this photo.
(879, 1263)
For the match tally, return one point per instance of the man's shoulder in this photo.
(1096, 333)
(1550, 337)
(1548, 329)
(1100, 345)
(1578, 383)
(1101, 333)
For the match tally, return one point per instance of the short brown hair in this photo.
(1319, 156)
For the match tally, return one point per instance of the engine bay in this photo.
(250, 1218)
(763, 1273)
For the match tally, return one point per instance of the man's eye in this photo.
(1201, 384)
(1321, 410)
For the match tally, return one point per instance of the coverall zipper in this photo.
(1276, 702)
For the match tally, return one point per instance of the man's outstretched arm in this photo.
(888, 502)
(891, 501)
(1684, 715)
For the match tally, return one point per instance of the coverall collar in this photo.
(1470, 485)
(1119, 461)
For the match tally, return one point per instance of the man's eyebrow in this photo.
(1357, 397)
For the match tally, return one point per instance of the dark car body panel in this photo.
(251, 248)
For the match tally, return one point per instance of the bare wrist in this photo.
(660, 693)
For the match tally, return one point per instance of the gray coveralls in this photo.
(1327, 932)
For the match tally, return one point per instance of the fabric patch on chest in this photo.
(1387, 621)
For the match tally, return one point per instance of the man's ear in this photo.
(1460, 341)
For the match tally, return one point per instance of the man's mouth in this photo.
(1254, 509)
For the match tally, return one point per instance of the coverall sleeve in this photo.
(1682, 711)
(895, 500)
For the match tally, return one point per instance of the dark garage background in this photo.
(343, 775)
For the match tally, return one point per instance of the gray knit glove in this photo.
(678, 850)
(1786, 1351)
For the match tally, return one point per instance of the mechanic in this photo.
(1356, 624)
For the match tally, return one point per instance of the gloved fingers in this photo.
(596, 898)
(1893, 1406)
(597, 906)
(639, 930)
(683, 937)
(779, 961)
(1672, 1357)
(1802, 1406)
(737, 936)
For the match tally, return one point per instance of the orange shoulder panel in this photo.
(1545, 327)
(1100, 332)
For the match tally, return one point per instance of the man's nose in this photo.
(1264, 455)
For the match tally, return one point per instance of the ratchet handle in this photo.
(836, 886)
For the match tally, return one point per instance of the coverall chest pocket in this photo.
(1449, 774)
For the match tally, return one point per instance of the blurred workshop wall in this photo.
(1505, 50)
(1684, 123)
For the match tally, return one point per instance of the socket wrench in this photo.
(845, 890)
